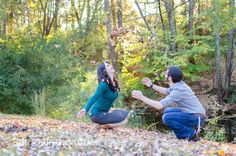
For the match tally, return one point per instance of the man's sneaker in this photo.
(105, 126)
(195, 138)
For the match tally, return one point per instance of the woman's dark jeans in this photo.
(115, 116)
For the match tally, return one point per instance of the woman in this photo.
(102, 100)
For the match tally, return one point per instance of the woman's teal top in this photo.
(102, 100)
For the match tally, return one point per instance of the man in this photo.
(189, 112)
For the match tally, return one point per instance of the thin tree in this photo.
(3, 19)
(229, 56)
(170, 16)
(217, 36)
(144, 18)
(119, 13)
(162, 21)
(49, 18)
(113, 13)
(78, 12)
(91, 21)
(111, 48)
(191, 5)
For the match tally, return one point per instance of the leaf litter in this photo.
(22, 135)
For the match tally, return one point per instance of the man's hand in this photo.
(137, 94)
(146, 81)
(81, 113)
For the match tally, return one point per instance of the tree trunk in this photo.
(55, 15)
(44, 8)
(190, 15)
(234, 58)
(155, 27)
(67, 20)
(4, 27)
(199, 7)
(229, 57)
(119, 13)
(162, 21)
(170, 15)
(218, 71)
(144, 18)
(184, 7)
(28, 18)
(10, 19)
(173, 12)
(92, 18)
(111, 49)
(50, 21)
(230, 54)
(88, 10)
(79, 14)
(113, 13)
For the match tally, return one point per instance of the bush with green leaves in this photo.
(30, 64)
(213, 131)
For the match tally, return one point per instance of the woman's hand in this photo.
(81, 113)
(146, 81)
(137, 94)
(118, 83)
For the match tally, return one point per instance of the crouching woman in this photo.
(98, 106)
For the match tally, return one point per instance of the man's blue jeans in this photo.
(182, 123)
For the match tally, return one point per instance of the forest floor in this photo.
(24, 135)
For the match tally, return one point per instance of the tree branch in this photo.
(145, 20)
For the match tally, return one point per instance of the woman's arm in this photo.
(100, 89)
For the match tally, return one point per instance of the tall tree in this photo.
(217, 36)
(144, 18)
(4, 26)
(3, 19)
(170, 16)
(162, 21)
(113, 13)
(78, 11)
(50, 13)
(91, 21)
(229, 56)
(199, 5)
(191, 5)
(88, 10)
(111, 47)
(119, 14)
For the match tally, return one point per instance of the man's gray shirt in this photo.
(185, 99)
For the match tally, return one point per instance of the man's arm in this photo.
(138, 95)
(146, 81)
(159, 89)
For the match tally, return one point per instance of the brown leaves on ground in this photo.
(35, 136)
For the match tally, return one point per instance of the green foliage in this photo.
(87, 88)
(76, 100)
(47, 75)
(38, 101)
(194, 60)
(135, 120)
(90, 46)
(232, 95)
(30, 64)
(213, 131)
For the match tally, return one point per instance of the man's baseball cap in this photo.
(175, 72)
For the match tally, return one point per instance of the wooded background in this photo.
(49, 49)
